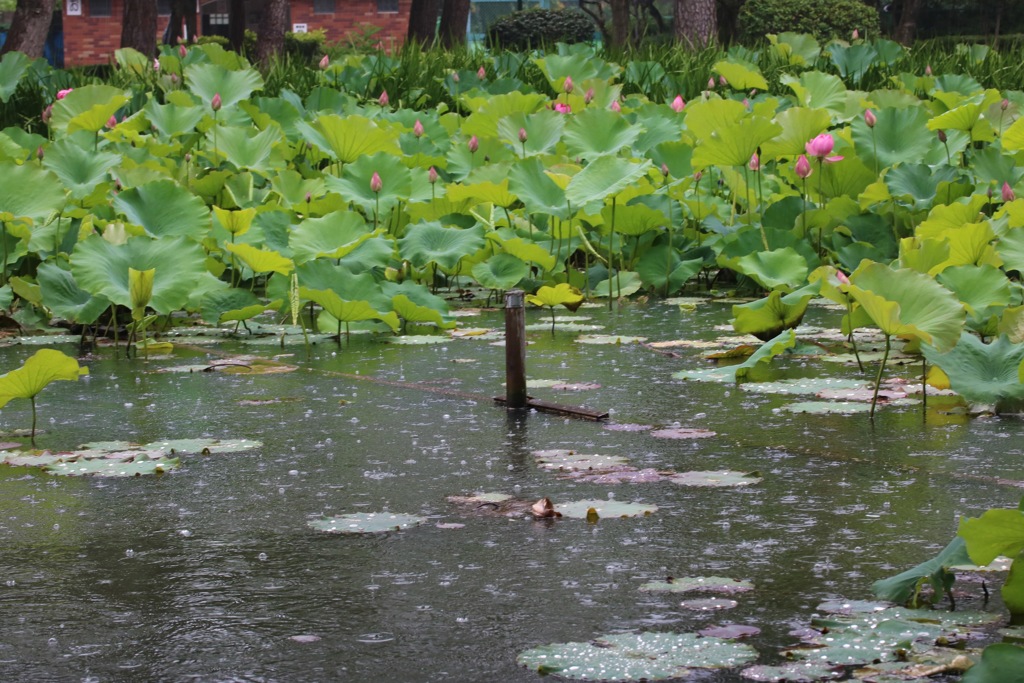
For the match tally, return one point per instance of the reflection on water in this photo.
(211, 574)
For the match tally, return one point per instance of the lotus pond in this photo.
(213, 570)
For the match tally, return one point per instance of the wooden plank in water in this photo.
(560, 409)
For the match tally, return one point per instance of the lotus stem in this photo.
(821, 202)
(849, 337)
(878, 378)
(33, 438)
(611, 251)
(671, 247)
(760, 203)
(924, 389)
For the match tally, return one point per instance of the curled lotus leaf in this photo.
(604, 508)
(636, 657)
(367, 523)
(719, 478)
(690, 584)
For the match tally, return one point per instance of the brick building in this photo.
(92, 28)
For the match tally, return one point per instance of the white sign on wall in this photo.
(74, 8)
(300, 28)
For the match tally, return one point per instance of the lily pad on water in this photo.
(564, 460)
(716, 478)
(605, 509)
(804, 385)
(624, 474)
(418, 340)
(103, 467)
(576, 386)
(730, 631)
(636, 657)
(681, 433)
(708, 604)
(366, 523)
(609, 339)
(794, 672)
(827, 407)
(179, 446)
(626, 427)
(688, 584)
(480, 498)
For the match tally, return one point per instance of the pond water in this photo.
(209, 572)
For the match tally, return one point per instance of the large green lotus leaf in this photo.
(605, 509)
(245, 147)
(1000, 663)
(294, 188)
(603, 178)
(65, 299)
(43, 367)
(348, 311)
(705, 117)
(348, 138)
(734, 144)
(662, 269)
(488, 110)
(596, 132)
(899, 136)
(410, 311)
(81, 170)
(908, 304)
(219, 303)
(525, 250)
(484, 192)
(28, 191)
(783, 269)
(500, 271)
(581, 66)
(998, 531)
(535, 188)
(880, 643)
(792, 672)
(906, 587)
(261, 260)
(543, 130)
(799, 125)
(1011, 249)
(233, 86)
(852, 61)
(164, 209)
(101, 268)
(1013, 137)
(768, 317)
(982, 373)
(983, 290)
(12, 67)
(87, 108)
(741, 75)
(951, 217)
(562, 294)
(356, 180)
(688, 584)
(172, 120)
(917, 183)
(795, 49)
(201, 446)
(332, 236)
(633, 220)
(636, 657)
(715, 478)
(100, 467)
(817, 90)
(967, 118)
(426, 243)
(367, 523)
(775, 346)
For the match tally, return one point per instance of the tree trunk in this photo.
(620, 23)
(138, 26)
(423, 21)
(29, 27)
(696, 23)
(454, 18)
(906, 30)
(182, 12)
(236, 29)
(273, 25)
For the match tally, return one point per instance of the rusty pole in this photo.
(515, 349)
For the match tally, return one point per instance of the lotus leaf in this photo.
(87, 108)
(605, 509)
(775, 314)
(718, 478)
(164, 209)
(1000, 663)
(43, 367)
(596, 132)
(348, 138)
(12, 67)
(201, 446)
(998, 532)
(708, 604)
(905, 588)
(101, 467)
(900, 135)
(62, 295)
(828, 407)
(608, 339)
(740, 75)
(80, 169)
(233, 86)
(730, 631)
(682, 433)
(562, 460)
(636, 657)
(687, 584)
(602, 179)
(432, 243)
(982, 373)
(367, 523)
(28, 192)
(348, 311)
(794, 672)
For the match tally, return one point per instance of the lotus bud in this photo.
(869, 118)
(40, 153)
(117, 185)
(376, 184)
(216, 103)
(567, 86)
(989, 193)
(188, 157)
(455, 76)
(678, 104)
(942, 135)
(588, 96)
(711, 83)
(753, 92)
(615, 106)
(697, 176)
(522, 135)
(746, 103)
(855, 35)
(755, 162)
(563, 108)
(156, 65)
(1005, 104)
(481, 73)
(174, 79)
(928, 70)
(473, 145)
(417, 129)
(722, 82)
(112, 121)
(841, 276)
(803, 167)
(61, 94)
(325, 62)
(383, 99)
(47, 113)
(182, 51)
(664, 170)
(1008, 195)
(432, 175)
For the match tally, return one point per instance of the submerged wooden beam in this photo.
(559, 409)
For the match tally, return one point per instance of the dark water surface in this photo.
(207, 573)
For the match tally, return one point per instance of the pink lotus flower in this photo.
(746, 103)
(309, 197)
(481, 73)
(588, 96)
(563, 108)
(1008, 195)
(473, 145)
(522, 135)
(47, 114)
(40, 153)
(615, 106)
(803, 167)
(664, 170)
(61, 94)
(325, 62)
(567, 86)
(841, 276)
(678, 104)
(869, 118)
(383, 99)
(112, 121)
(820, 148)
(174, 79)
(376, 184)
(697, 176)
(855, 35)
(1005, 104)
(156, 65)
(941, 134)
(711, 83)
(755, 162)
(928, 70)
(182, 51)
(216, 103)
(722, 82)
(432, 175)
(417, 129)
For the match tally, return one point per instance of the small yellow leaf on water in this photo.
(592, 516)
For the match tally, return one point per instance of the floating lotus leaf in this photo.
(708, 604)
(687, 584)
(480, 498)
(563, 327)
(853, 606)
(1000, 663)
(793, 672)
(204, 446)
(576, 386)
(609, 339)
(570, 460)
(828, 407)
(101, 467)
(621, 474)
(625, 427)
(636, 657)
(717, 478)
(32, 459)
(366, 523)
(605, 509)
(418, 340)
(730, 631)
(880, 643)
(804, 385)
(682, 433)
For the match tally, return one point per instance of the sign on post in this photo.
(74, 8)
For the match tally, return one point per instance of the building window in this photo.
(100, 8)
(163, 7)
(323, 6)
(220, 19)
(387, 6)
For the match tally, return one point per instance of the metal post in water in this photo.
(515, 349)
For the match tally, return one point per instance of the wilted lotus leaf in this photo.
(680, 433)
(708, 604)
(543, 383)
(853, 606)
(479, 498)
(609, 339)
(685, 344)
(688, 584)
(921, 666)
(730, 631)
(572, 461)
(827, 407)
(30, 459)
(418, 340)
(626, 427)
(794, 672)
(804, 385)
(636, 657)
(576, 386)
(203, 446)
(624, 474)
(605, 509)
(118, 467)
(366, 523)
(716, 478)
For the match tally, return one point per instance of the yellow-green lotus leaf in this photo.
(45, 366)
(140, 290)
(236, 222)
(562, 294)
(261, 260)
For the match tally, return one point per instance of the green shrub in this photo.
(538, 27)
(823, 19)
(305, 45)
